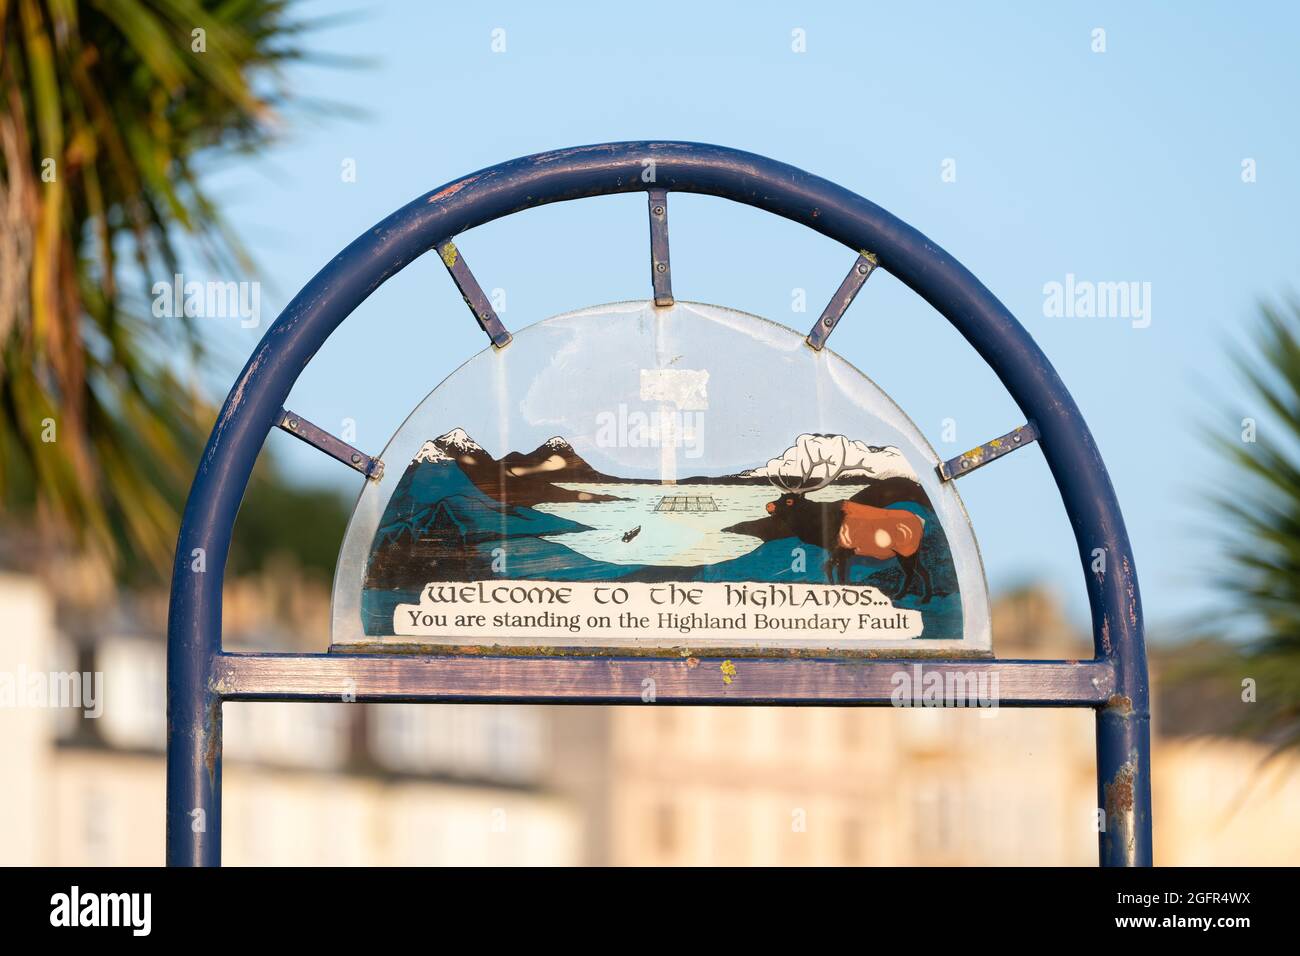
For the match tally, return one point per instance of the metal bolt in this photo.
(660, 267)
(1016, 439)
(356, 458)
(828, 321)
(659, 210)
(293, 423)
(862, 268)
(965, 465)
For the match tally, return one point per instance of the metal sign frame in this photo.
(202, 676)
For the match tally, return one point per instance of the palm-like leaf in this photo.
(1260, 512)
(106, 107)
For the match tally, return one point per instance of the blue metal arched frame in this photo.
(201, 675)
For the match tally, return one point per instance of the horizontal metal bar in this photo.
(337, 448)
(968, 461)
(473, 294)
(661, 272)
(840, 301)
(622, 680)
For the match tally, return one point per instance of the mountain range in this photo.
(518, 478)
(529, 478)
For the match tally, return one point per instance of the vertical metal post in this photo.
(193, 712)
(1124, 763)
(1124, 785)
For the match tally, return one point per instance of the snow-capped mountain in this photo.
(554, 459)
(449, 447)
(523, 478)
(458, 442)
(430, 451)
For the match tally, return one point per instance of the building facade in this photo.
(355, 784)
(328, 784)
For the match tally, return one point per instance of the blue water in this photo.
(679, 539)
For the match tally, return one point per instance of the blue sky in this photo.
(1123, 165)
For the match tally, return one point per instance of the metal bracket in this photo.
(839, 303)
(299, 427)
(472, 293)
(967, 462)
(661, 273)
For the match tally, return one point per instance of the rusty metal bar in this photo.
(661, 273)
(841, 300)
(978, 457)
(587, 680)
(472, 293)
(336, 448)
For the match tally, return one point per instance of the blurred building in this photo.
(642, 784)
(891, 787)
(850, 786)
(303, 783)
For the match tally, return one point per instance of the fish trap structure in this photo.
(686, 503)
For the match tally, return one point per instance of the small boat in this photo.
(629, 535)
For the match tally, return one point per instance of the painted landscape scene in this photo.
(826, 510)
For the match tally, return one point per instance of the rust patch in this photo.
(1119, 792)
(212, 753)
(1121, 704)
(728, 672)
(448, 191)
(692, 663)
(1105, 634)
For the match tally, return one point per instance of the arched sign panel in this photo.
(631, 478)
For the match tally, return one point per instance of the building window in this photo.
(851, 728)
(851, 837)
(666, 837)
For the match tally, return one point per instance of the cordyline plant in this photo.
(106, 108)
(1260, 569)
